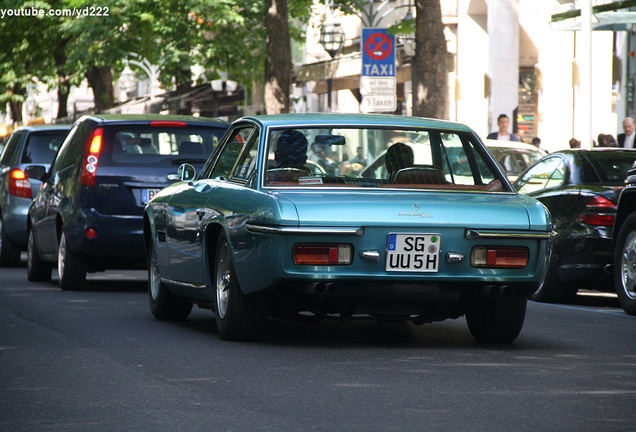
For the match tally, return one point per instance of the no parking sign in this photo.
(377, 80)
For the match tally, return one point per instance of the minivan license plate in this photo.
(413, 252)
(147, 194)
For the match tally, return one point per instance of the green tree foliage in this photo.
(221, 35)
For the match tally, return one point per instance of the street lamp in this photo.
(332, 39)
(128, 76)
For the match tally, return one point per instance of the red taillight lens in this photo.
(91, 157)
(599, 211)
(322, 254)
(499, 257)
(19, 184)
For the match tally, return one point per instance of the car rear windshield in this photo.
(609, 167)
(126, 145)
(41, 147)
(388, 158)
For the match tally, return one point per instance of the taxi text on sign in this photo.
(377, 80)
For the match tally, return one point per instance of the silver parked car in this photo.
(28, 153)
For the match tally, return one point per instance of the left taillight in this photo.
(599, 211)
(322, 254)
(19, 184)
(91, 158)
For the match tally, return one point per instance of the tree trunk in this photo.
(100, 79)
(16, 106)
(278, 63)
(431, 59)
(63, 90)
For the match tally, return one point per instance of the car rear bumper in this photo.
(118, 238)
(14, 217)
(584, 260)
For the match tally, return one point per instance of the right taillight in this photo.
(91, 157)
(499, 257)
(19, 184)
(599, 211)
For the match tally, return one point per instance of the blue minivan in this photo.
(88, 215)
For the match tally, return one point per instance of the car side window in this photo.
(547, 173)
(10, 153)
(229, 156)
(246, 165)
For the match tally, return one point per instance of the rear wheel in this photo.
(238, 316)
(625, 265)
(497, 320)
(71, 267)
(9, 251)
(164, 304)
(37, 270)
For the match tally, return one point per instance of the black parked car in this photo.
(625, 243)
(27, 146)
(88, 215)
(581, 189)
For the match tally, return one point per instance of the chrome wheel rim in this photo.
(155, 277)
(628, 266)
(223, 280)
(60, 256)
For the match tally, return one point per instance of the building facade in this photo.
(514, 57)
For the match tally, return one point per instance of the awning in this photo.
(605, 16)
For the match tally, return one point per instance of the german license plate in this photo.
(147, 194)
(413, 252)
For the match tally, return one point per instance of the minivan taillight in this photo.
(19, 184)
(91, 157)
(599, 211)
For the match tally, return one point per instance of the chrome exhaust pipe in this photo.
(317, 288)
(609, 268)
(333, 288)
(491, 291)
(507, 291)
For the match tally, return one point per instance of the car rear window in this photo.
(610, 167)
(380, 157)
(41, 147)
(127, 145)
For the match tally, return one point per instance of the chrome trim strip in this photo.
(474, 234)
(261, 229)
(184, 284)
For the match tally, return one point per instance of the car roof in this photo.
(512, 144)
(47, 127)
(344, 120)
(144, 118)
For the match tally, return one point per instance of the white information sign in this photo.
(378, 103)
(369, 85)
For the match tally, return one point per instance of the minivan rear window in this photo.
(157, 145)
(41, 147)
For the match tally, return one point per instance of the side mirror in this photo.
(186, 172)
(37, 172)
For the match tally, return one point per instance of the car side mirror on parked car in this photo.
(37, 172)
(186, 172)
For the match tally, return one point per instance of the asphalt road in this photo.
(98, 361)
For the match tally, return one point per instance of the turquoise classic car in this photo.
(290, 218)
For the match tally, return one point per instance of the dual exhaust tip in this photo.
(498, 291)
(321, 288)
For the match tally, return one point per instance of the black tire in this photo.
(238, 316)
(9, 251)
(71, 268)
(625, 265)
(37, 270)
(497, 320)
(164, 304)
(553, 290)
